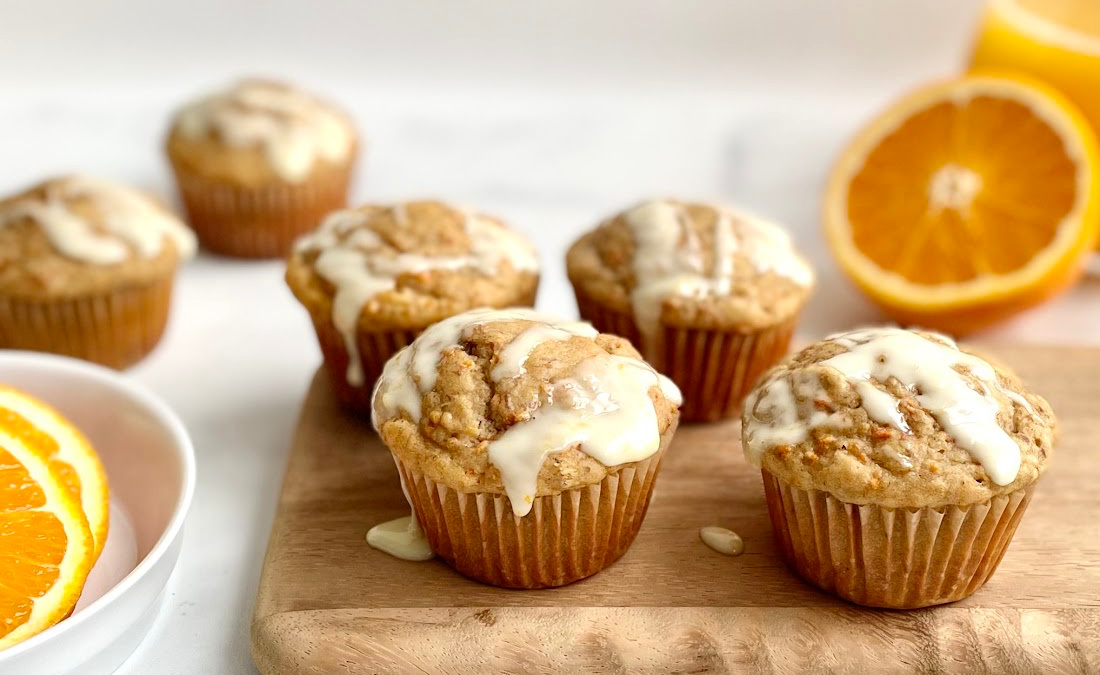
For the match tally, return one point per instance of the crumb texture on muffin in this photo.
(407, 266)
(897, 418)
(258, 126)
(516, 402)
(77, 234)
(692, 265)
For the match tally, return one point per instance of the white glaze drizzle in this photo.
(293, 128)
(665, 268)
(412, 371)
(604, 407)
(354, 259)
(128, 224)
(928, 367)
(722, 540)
(402, 538)
(513, 358)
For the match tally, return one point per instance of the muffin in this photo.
(896, 466)
(527, 446)
(710, 295)
(259, 164)
(86, 270)
(373, 277)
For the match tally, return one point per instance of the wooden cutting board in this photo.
(328, 603)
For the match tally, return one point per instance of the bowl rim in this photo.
(185, 451)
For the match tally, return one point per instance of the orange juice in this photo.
(1057, 41)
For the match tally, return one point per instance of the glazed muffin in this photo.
(373, 277)
(528, 446)
(259, 164)
(896, 465)
(710, 295)
(86, 270)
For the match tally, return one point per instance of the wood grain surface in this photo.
(328, 603)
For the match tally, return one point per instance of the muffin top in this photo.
(517, 402)
(691, 265)
(258, 131)
(76, 235)
(899, 419)
(408, 265)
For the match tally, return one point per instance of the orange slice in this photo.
(46, 548)
(71, 456)
(966, 202)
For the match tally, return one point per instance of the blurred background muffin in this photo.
(499, 413)
(86, 270)
(373, 277)
(896, 466)
(708, 294)
(259, 164)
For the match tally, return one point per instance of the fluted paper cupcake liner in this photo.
(260, 222)
(116, 328)
(565, 537)
(893, 558)
(375, 348)
(714, 369)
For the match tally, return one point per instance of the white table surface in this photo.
(239, 351)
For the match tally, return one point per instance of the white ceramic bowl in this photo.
(150, 465)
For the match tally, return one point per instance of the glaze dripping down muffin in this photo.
(526, 420)
(710, 294)
(372, 278)
(882, 422)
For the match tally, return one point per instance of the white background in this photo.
(549, 114)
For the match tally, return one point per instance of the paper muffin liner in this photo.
(893, 558)
(375, 348)
(258, 222)
(714, 369)
(116, 328)
(565, 537)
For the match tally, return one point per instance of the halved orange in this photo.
(46, 548)
(966, 202)
(71, 456)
